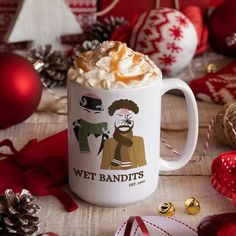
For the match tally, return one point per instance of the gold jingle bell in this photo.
(192, 206)
(166, 209)
(211, 68)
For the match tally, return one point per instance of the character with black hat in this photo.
(92, 105)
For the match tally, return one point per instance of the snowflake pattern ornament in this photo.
(176, 33)
(167, 37)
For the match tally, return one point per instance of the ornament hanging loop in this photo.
(107, 9)
(38, 65)
(176, 4)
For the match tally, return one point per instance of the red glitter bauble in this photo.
(20, 89)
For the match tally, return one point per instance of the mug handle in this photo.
(191, 142)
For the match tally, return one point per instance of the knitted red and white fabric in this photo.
(82, 9)
(217, 87)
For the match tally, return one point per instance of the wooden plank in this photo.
(174, 112)
(102, 221)
(22, 133)
(177, 141)
(44, 124)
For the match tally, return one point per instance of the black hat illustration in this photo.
(92, 102)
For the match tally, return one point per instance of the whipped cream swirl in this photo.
(112, 66)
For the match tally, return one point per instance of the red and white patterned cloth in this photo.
(217, 87)
(81, 9)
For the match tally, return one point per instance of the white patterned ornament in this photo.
(167, 37)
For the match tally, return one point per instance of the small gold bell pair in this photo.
(192, 206)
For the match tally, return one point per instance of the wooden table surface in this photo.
(175, 186)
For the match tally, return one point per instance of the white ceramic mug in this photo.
(114, 141)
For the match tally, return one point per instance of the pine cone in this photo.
(80, 48)
(54, 71)
(102, 31)
(17, 213)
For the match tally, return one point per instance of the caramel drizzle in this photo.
(136, 58)
(117, 57)
(115, 60)
(114, 48)
(81, 64)
(128, 79)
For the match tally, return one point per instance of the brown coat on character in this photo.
(136, 154)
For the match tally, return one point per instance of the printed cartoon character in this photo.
(124, 150)
(83, 128)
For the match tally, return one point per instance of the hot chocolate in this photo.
(113, 66)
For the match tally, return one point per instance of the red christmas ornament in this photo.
(222, 29)
(20, 89)
(223, 175)
(195, 15)
(218, 225)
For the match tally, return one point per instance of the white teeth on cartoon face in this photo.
(124, 127)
